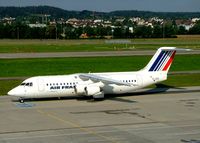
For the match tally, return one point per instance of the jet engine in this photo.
(92, 90)
(80, 89)
(89, 90)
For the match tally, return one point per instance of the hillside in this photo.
(61, 13)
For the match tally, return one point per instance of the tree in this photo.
(90, 31)
(143, 32)
(182, 30)
(195, 29)
(79, 31)
(36, 33)
(100, 31)
(169, 31)
(117, 32)
(157, 31)
(51, 32)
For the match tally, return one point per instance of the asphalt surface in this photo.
(164, 115)
(84, 54)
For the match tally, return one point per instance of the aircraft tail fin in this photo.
(162, 59)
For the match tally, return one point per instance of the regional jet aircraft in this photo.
(97, 84)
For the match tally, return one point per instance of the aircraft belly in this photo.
(114, 89)
(49, 94)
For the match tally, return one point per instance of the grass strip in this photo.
(6, 85)
(60, 66)
(32, 46)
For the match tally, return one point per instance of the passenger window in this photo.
(31, 84)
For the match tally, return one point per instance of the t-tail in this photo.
(162, 60)
(158, 67)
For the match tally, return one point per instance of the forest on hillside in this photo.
(61, 13)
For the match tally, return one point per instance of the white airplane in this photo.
(97, 84)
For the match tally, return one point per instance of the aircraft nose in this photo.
(12, 92)
(16, 92)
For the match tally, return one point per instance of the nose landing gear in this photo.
(21, 100)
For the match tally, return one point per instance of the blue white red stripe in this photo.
(163, 61)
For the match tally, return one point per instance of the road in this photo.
(148, 117)
(84, 54)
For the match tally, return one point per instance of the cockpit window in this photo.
(27, 84)
(22, 83)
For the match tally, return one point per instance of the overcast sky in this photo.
(110, 5)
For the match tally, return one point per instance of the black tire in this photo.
(21, 100)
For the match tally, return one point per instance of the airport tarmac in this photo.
(149, 117)
(86, 54)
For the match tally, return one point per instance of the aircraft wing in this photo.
(97, 78)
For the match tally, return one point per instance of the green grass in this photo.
(183, 80)
(6, 85)
(32, 46)
(54, 66)
(32, 67)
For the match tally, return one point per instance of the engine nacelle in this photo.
(92, 90)
(80, 89)
(88, 90)
(99, 95)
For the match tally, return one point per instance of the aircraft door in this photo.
(40, 84)
(139, 80)
(25, 89)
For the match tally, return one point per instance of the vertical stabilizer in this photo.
(162, 60)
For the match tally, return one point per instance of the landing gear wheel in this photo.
(21, 100)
